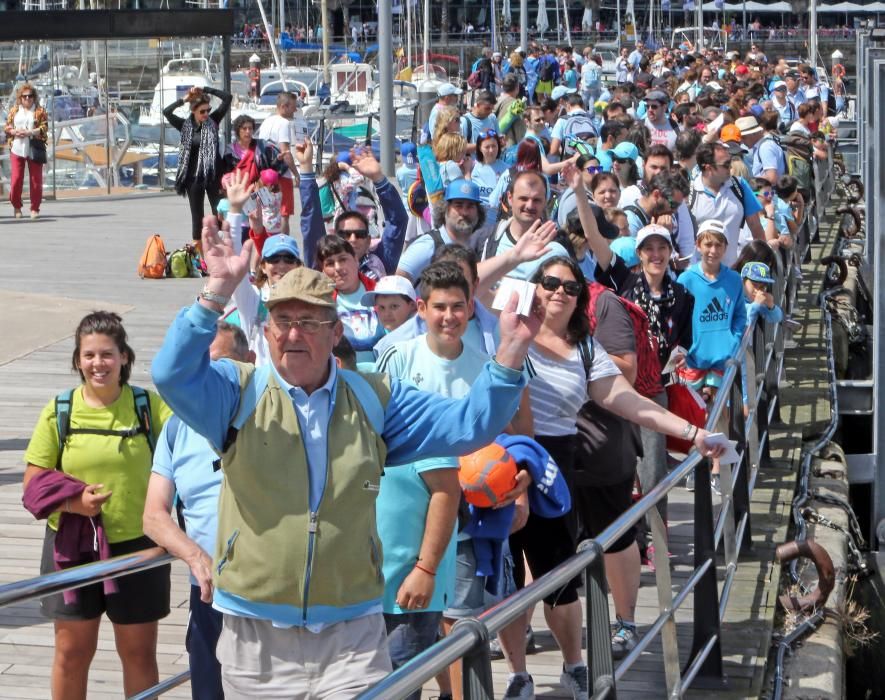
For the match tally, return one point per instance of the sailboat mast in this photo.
(426, 37)
(273, 46)
(408, 33)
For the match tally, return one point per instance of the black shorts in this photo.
(547, 542)
(142, 597)
(599, 506)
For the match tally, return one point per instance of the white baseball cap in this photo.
(391, 285)
(447, 89)
(647, 232)
(712, 226)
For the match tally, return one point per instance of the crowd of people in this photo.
(301, 453)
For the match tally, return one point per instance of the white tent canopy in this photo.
(758, 7)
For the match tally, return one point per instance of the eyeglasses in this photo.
(551, 284)
(674, 205)
(358, 232)
(203, 111)
(305, 325)
(487, 134)
(287, 258)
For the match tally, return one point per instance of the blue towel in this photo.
(548, 495)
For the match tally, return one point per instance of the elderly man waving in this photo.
(297, 568)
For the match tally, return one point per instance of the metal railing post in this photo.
(706, 629)
(760, 351)
(476, 666)
(741, 490)
(599, 642)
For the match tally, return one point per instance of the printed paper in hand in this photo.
(730, 455)
(265, 196)
(671, 361)
(526, 291)
(250, 205)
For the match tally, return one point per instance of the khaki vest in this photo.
(270, 548)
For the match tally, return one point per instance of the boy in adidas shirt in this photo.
(719, 317)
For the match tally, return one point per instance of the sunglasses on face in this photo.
(551, 284)
(654, 105)
(593, 169)
(358, 232)
(287, 258)
(203, 111)
(764, 193)
(723, 165)
(28, 96)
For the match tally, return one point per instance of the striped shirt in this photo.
(558, 388)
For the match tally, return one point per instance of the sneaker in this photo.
(520, 686)
(650, 557)
(623, 639)
(35, 214)
(791, 324)
(715, 484)
(496, 651)
(18, 213)
(530, 646)
(576, 682)
(689, 481)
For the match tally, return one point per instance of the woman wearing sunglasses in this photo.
(27, 122)
(666, 303)
(567, 368)
(199, 161)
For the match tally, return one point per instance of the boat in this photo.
(177, 77)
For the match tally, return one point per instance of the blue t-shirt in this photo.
(767, 155)
(719, 317)
(524, 271)
(570, 79)
(486, 178)
(361, 325)
(476, 125)
(401, 508)
(185, 458)
(419, 253)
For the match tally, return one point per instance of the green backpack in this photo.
(183, 262)
(799, 167)
(63, 403)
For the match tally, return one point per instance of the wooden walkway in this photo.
(82, 256)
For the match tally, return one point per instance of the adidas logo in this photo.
(713, 312)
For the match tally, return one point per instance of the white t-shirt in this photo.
(558, 388)
(277, 130)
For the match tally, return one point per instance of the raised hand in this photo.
(238, 190)
(304, 155)
(573, 176)
(226, 269)
(517, 332)
(365, 163)
(533, 243)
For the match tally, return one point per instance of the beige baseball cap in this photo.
(303, 284)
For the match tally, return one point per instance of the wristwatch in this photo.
(211, 296)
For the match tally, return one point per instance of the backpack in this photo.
(545, 70)
(64, 401)
(183, 263)
(648, 365)
(474, 80)
(273, 156)
(798, 153)
(736, 188)
(152, 263)
(255, 387)
(578, 125)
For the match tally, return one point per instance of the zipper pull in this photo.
(369, 486)
(312, 525)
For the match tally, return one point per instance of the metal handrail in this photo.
(469, 634)
(84, 575)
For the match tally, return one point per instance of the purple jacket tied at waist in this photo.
(80, 539)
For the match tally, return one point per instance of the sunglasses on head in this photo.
(281, 257)
(358, 232)
(551, 284)
(487, 134)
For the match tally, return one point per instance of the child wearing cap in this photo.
(757, 282)
(394, 301)
(718, 320)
